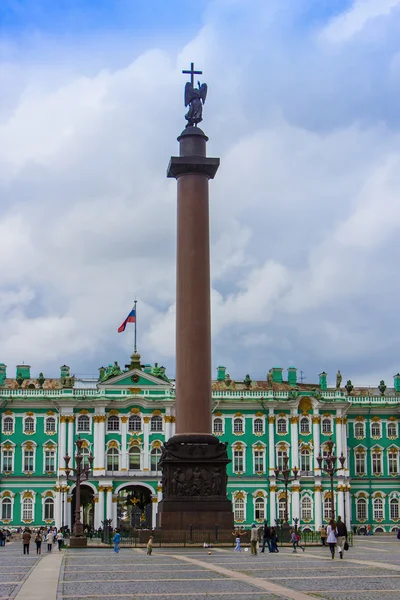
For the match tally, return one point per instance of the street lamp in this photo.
(285, 477)
(327, 464)
(81, 472)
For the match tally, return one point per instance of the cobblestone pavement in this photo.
(15, 567)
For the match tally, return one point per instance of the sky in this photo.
(303, 111)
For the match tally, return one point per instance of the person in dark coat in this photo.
(266, 537)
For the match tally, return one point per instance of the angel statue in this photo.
(195, 97)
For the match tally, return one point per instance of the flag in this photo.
(131, 318)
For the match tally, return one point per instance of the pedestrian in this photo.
(331, 531)
(298, 537)
(49, 541)
(150, 545)
(116, 540)
(274, 540)
(26, 540)
(2, 538)
(253, 539)
(237, 535)
(60, 539)
(341, 536)
(266, 537)
(322, 533)
(38, 541)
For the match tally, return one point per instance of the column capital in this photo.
(294, 419)
(316, 419)
(271, 419)
(318, 488)
(63, 419)
(146, 419)
(124, 419)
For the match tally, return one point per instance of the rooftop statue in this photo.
(194, 98)
(338, 380)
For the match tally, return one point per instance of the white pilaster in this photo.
(348, 507)
(173, 426)
(57, 507)
(340, 501)
(272, 503)
(109, 508)
(154, 501)
(99, 443)
(114, 512)
(294, 436)
(71, 420)
(271, 440)
(99, 510)
(66, 506)
(62, 440)
(159, 492)
(339, 428)
(318, 505)
(316, 439)
(124, 450)
(146, 453)
(295, 502)
(344, 445)
(68, 510)
(168, 424)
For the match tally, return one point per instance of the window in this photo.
(238, 462)
(8, 425)
(27, 509)
(49, 461)
(376, 430)
(135, 423)
(134, 458)
(237, 425)
(326, 426)
(306, 509)
(85, 454)
(394, 508)
(239, 509)
(218, 426)
(281, 508)
(305, 460)
(360, 463)
(376, 463)
(280, 459)
(156, 423)
(112, 459)
(281, 426)
(258, 426)
(259, 509)
(393, 463)
(50, 425)
(378, 508)
(258, 461)
(391, 430)
(7, 461)
(359, 430)
(49, 509)
(6, 509)
(305, 425)
(28, 460)
(327, 508)
(83, 423)
(113, 423)
(361, 509)
(155, 458)
(29, 424)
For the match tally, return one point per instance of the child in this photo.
(116, 540)
(237, 535)
(150, 545)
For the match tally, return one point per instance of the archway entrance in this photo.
(87, 506)
(134, 509)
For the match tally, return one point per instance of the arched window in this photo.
(360, 463)
(238, 425)
(85, 454)
(394, 508)
(135, 423)
(392, 430)
(305, 425)
(327, 508)
(305, 460)
(361, 505)
(29, 424)
(49, 461)
(50, 425)
(155, 456)
(259, 456)
(27, 509)
(6, 509)
(376, 463)
(238, 461)
(134, 458)
(259, 509)
(376, 430)
(393, 463)
(281, 425)
(29, 460)
(218, 425)
(156, 423)
(281, 508)
(280, 458)
(378, 508)
(49, 509)
(258, 426)
(112, 459)
(359, 431)
(326, 426)
(239, 509)
(8, 425)
(83, 423)
(7, 460)
(306, 509)
(113, 423)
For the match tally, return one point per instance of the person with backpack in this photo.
(266, 537)
(38, 541)
(331, 531)
(26, 540)
(341, 538)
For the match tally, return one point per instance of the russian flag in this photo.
(131, 318)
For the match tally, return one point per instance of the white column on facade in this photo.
(154, 501)
(271, 440)
(272, 503)
(348, 506)
(294, 440)
(167, 424)
(344, 445)
(71, 420)
(114, 512)
(317, 505)
(96, 443)
(316, 438)
(100, 442)
(57, 507)
(340, 500)
(65, 505)
(296, 501)
(99, 510)
(109, 508)
(68, 510)
(146, 453)
(159, 492)
(62, 443)
(124, 449)
(173, 426)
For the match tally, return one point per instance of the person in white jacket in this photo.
(332, 536)
(49, 541)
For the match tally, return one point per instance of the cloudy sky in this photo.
(303, 110)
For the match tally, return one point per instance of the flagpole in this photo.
(135, 332)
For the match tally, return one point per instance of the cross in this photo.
(192, 73)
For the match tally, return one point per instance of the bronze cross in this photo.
(192, 73)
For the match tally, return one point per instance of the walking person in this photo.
(116, 541)
(60, 539)
(274, 540)
(295, 539)
(49, 541)
(2, 538)
(26, 540)
(237, 535)
(266, 537)
(341, 536)
(331, 531)
(254, 539)
(150, 545)
(323, 534)
(38, 541)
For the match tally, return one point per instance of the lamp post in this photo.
(327, 464)
(285, 477)
(81, 472)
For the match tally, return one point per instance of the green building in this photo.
(125, 416)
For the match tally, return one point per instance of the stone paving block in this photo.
(358, 584)
(141, 574)
(183, 596)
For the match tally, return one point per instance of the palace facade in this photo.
(125, 416)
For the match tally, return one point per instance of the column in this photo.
(109, 509)
(294, 435)
(339, 445)
(99, 510)
(295, 501)
(348, 506)
(167, 426)
(71, 420)
(154, 507)
(62, 443)
(145, 451)
(316, 439)
(173, 426)
(271, 440)
(96, 442)
(124, 450)
(100, 442)
(340, 501)
(68, 510)
(114, 511)
(159, 492)
(272, 503)
(344, 446)
(64, 505)
(317, 505)
(57, 507)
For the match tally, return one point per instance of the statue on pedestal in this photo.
(338, 380)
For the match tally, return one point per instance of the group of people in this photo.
(50, 537)
(269, 537)
(336, 536)
(116, 540)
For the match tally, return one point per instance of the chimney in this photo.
(3, 373)
(24, 371)
(292, 376)
(396, 382)
(64, 372)
(277, 375)
(322, 380)
(221, 373)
